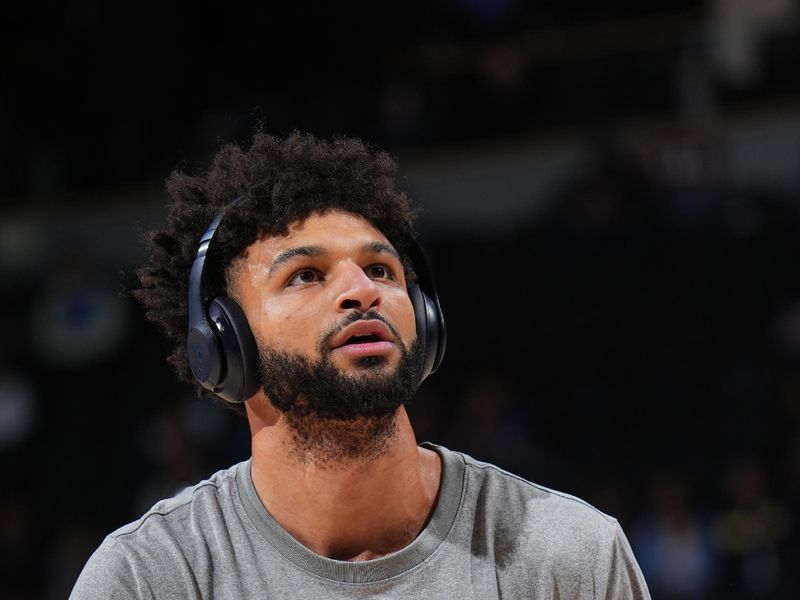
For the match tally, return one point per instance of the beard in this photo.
(336, 417)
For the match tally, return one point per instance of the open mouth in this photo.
(363, 333)
(362, 339)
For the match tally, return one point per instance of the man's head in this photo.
(331, 292)
(315, 252)
(335, 330)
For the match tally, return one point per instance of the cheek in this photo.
(287, 328)
(401, 313)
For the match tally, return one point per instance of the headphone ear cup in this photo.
(240, 379)
(436, 332)
(427, 327)
(204, 355)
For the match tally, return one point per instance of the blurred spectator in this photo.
(18, 409)
(68, 550)
(488, 423)
(79, 317)
(184, 442)
(672, 542)
(738, 29)
(750, 533)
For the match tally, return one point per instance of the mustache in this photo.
(352, 318)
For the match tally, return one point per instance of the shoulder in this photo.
(172, 539)
(539, 536)
(517, 515)
(207, 500)
(494, 486)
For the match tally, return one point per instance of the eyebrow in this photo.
(292, 253)
(380, 248)
(315, 251)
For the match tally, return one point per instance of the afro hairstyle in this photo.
(278, 181)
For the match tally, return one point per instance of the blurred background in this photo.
(611, 195)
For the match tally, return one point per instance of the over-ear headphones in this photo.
(221, 348)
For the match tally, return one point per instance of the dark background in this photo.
(611, 195)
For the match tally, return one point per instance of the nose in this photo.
(358, 291)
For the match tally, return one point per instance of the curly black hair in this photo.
(279, 181)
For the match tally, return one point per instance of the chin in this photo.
(373, 363)
(368, 364)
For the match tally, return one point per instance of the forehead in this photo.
(334, 229)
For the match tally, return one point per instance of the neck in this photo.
(349, 508)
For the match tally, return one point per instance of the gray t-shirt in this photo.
(491, 535)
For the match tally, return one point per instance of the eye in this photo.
(304, 277)
(379, 272)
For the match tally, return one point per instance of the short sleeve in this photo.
(107, 575)
(625, 580)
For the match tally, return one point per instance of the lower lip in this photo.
(367, 349)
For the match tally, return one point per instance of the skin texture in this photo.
(359, 507)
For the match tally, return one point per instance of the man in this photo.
(308, 302)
